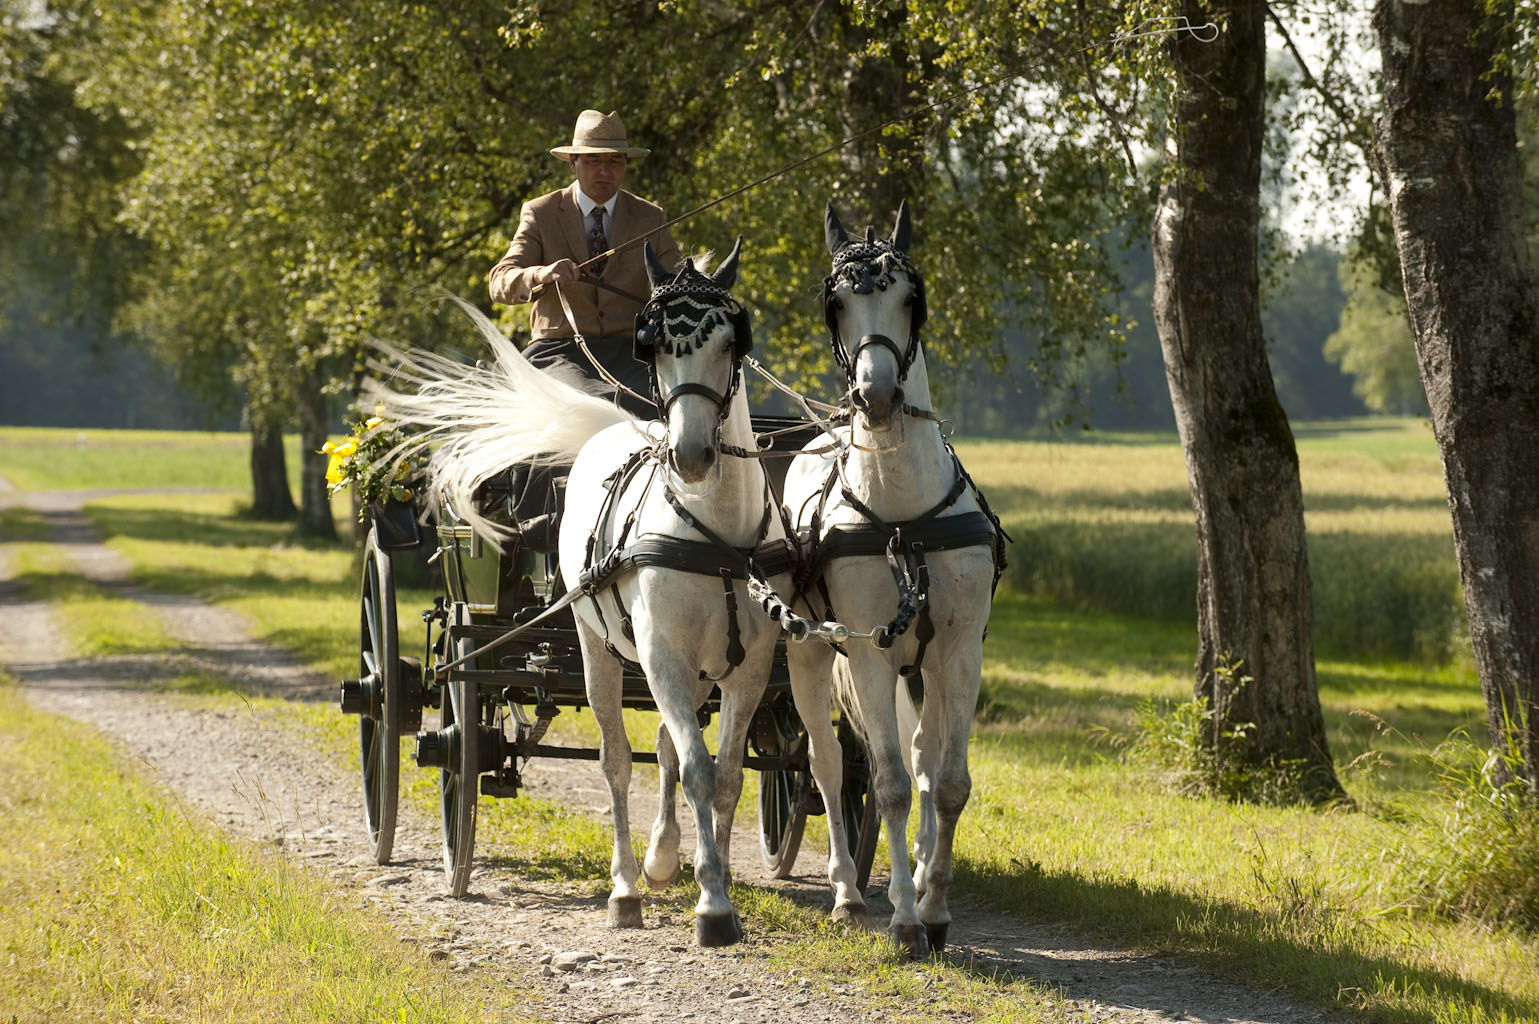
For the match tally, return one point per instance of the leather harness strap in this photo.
(904, 545)
(711, 557)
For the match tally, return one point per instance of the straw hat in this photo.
(598, 133)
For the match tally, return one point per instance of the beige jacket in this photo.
(551, 228)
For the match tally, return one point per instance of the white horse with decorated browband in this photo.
(660, 522)
(898, 546)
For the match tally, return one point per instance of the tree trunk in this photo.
(1449, 162)
(1255, 661)
(314, 499)
(888, 168)
(270, 497)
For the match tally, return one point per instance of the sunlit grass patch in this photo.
(1107, 525)
(49, 458)
(119, 907)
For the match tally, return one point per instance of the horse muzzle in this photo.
(694, 470)
(877, 393)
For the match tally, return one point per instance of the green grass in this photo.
(115, 905)
(97, 623)
(1106, 526)
(1061, 828)
(50, 458)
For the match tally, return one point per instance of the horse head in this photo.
(694, 335)
(875, 296)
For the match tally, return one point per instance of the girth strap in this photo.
(692, 556)
(968, 530)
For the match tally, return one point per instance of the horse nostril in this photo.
(897, 398)
(858, 399)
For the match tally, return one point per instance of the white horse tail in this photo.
(479, 420)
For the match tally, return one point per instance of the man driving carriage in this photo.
(558, 233)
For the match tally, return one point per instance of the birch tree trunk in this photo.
(1255, 658)
(1447, 156)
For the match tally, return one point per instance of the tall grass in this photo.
(1108, 527)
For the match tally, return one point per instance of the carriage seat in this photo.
(528, 498)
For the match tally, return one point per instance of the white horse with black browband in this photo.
(898, 546)
(661, 521)
(659, 528)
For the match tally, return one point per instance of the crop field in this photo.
(1092, 639)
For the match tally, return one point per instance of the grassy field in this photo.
(41, 458)
(1063, 826)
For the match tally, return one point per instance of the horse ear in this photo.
(656, 272)
(833, 231)
(902, 233)
(726, 273)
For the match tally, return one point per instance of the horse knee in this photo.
(951, 794)
(892, 792)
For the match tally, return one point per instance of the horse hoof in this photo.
(912, 938)
(718, 929)
(936, 933)
(625, 912)
(850, 915)
(660, 881)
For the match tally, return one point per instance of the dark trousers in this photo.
(539, 492)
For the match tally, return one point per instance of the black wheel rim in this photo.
(379, 727)
(856, 805)
(459, 780)
(782, 815)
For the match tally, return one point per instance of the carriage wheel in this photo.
(856, 803)
(459, 779)
(782, 810)
(379, 724)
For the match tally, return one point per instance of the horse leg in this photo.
(951, 697)
(660, 867)
(672, 682)
(922, 753)
(870, 682)
(739, 699)
(811, 667)
(603, 683)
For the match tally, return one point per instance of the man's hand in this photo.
(564, 271)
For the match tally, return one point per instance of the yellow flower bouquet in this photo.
(375, 459)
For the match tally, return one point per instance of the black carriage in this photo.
(493, 711)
